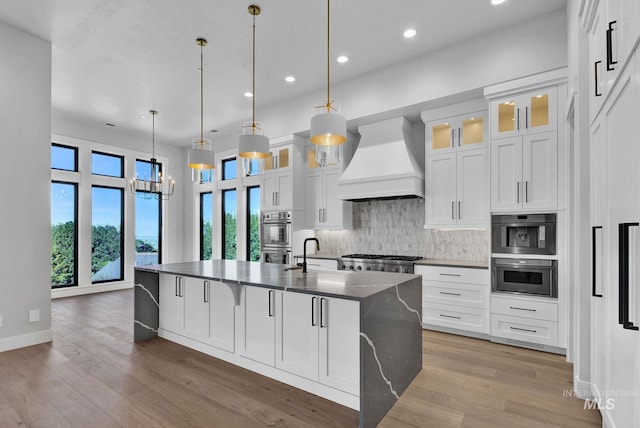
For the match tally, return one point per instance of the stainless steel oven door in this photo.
(276, 256)
(276, 234)
(525, 276)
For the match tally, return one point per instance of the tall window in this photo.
(107, 225)
(148, 223)
(206, 225)
(253, 224)
(107, 164)
(64, 233)
(229, 219)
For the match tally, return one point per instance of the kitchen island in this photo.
(353, 338)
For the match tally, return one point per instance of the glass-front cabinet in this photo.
(322, 156)
(526, 113)
(458, 132)
(279, 158)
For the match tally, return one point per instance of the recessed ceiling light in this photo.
(248, 94)
(290, 79)
(409, 33)
(342, 59)
(497, 2)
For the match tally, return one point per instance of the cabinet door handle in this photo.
(181, 286)
(517, 191)
(450, 316)
(453, 214)
(522, 309)
(271, 303)
(323, 311)
(594, 268)
(206, 291)
(450, 294)
(452, 138)
(450, 274)
(273, 198)
(623, 276)
(319, 215)
(313, 311)
(176, 288)
(610, 61)
(459, 211)
(526, 191)
(526, 117)
(523, 329)
(596, 78)
(324, 215)
(518, 118)
(459, 137)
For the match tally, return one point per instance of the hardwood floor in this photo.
(93, 375)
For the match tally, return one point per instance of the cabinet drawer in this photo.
(525, 308)
(453, 274)
(458, 317)
(525, 329)
(471, 295)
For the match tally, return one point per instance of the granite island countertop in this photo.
(423, 262)
(342, 284)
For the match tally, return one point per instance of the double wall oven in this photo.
(275, 237)
(526, 234)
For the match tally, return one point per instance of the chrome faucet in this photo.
(304, 252)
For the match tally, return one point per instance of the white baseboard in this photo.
(582, 389)
(89, 289)
(24, 340)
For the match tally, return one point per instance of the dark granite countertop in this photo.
(348, 285)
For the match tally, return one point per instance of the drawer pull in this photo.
(450, 294)
(523, 329)
(450, 274)
(522, 309)
(450, 316)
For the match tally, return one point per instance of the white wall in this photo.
(25, 111)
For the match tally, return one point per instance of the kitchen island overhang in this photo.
(389, 315)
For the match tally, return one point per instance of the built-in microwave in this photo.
(523, 234)
(275, 229)
(525, 276)
(276, 256)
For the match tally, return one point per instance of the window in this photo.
(143, 169)
(106, 164)
(64, 234)
(206, 225)
(251, 167)
(148, 223)
(229, 218)
(253, 223)
(107, 243)
(229, 171)
(64, 157)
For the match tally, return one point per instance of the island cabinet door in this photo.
(171, 303)
(339, 327)
(297, 334)
(257, 339)
(196, 308)
(221, 315)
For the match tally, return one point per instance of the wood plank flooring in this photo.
(93, 375)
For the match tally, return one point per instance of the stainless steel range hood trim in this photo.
(372, 173)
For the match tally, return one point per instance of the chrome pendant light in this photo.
(154, 186)
(201, 157)
(253, 144)
(328, 129)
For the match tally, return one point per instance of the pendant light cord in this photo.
(253, 89)
(153, 135)
(328, 60)
(201, 99)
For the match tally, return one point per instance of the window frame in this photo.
(75, 233)
(121, 157)
(201, 234)
(223, 235)
(122, 233)
(75, 157)
(248, 220)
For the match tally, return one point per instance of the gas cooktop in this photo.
(381, 257)
(377, 262)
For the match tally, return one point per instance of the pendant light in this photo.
(253, 144)
(328, 129)
(201, 157)
(154, 186)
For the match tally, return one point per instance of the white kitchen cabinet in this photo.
(524, 172)
(279, 159)
(466, 131)
(525, 319)
(276, 191)
(171, 315)
(524, 113)
(457, 186)
(257, 339)
(322, 207)
(221, 315)
(196, 308)
(281, 179)
(456, 299)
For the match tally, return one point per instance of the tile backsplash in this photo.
(397, 227)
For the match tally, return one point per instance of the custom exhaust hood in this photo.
(384, 165)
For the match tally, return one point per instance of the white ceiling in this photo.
(114, 60)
